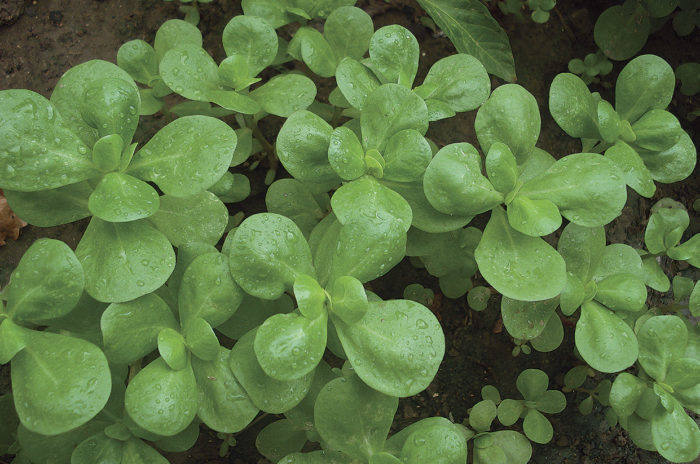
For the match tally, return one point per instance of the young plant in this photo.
(592, 66)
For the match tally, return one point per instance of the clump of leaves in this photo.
(593, 65)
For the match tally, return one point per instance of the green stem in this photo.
(267, 146)
(600, 147)
(134, 369)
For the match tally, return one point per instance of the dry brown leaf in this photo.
(9, 222)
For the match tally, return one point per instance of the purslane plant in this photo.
(368, 189)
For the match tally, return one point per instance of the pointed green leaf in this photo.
(201, 217)
(526, 319)
(573, 107)
(634, 172)
(345, 154)
(394, 52)
(355, 81)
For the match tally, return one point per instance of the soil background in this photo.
(41, 39)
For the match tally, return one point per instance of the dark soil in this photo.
(41, 39)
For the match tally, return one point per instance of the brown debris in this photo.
(9, 222)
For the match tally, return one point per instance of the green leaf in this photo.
(252, 38)
(162, 400)
(654, 275)
(138, 58)
(394, 53)
(366, 197)
(687, 74)
(130, 330)
(252, 312)
(390, 109)
(551, 402)
(626, 393)
(70, 88)
(268, 253)
(537, 428)
(266, 393)
(97, 448)
(293, 199)
(532, 383)
(285, 94)
(372, 414)
(625, 292)
(460, 81)
(478, 298)
(661, 340)
(58, 382)
(618, 258)
(573, 107)
(608, 122)
(572, 295)
(453, 182)
(302, 147)
(13, 340)
(46, 284)
(509, 411)
(645, 83)
(272, 11)
(481, 415)
(107, 151)
(355, 82)
(446, 444)
(526, 319)
(517, 265)
(657, 130)
(39, 151)
(124, 260)
(187, 156)
(396, 348)
(407, 155)
(208, 291)
(582, 248)
(289, 346)
(171, 346)
(501, 167)
(310, 46)
(311, 298)
(54, 207)
(510, 116)
(587, 188)
(683, 373)
(673, 164)
(345, 154)
(633, 169)
(533, 217)
(472, 30)
(605, 341)
(348, 299)
(280, 438)
(516, 448)
(622, 31)
(675, 435)
(120, 197)
(551, 337)
(694, 300)
(348, 30)
(223, 404)
(201, 217)
(175, 32)
(112, 106)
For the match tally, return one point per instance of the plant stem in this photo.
(267, 146)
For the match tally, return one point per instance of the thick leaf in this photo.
(372, 414)
(645, 83)
(54, 449)
(526, 319)
(285, 94)
(253, 39)
(98, 448)
(390, 109)
(442, 443)
(345, 154)
(673, 164)
(162, 400)
(289, 346)
(618, 258)
(187, 156)
(453, 182)
(661, 340)
(201, 217)
(634, 172)
(582, 248)
(551, 337)
(458, 80)
(223, 404)
(394, 53)
(175, 32)
(69, 90)
(112, 106)
(510, 116)
(12, 340)
(59, 382)
(138, 58)
(124, 260)
(200, 339)
(280, 438)
(38, 150)
(355, 81)
(208, 290)
(482, 415)
(621, 31)
(54, 207)
(625, 292)
(171, 347)
(573, 107)
(46, 284)
(348, 30)
(130, 330)
(676, 435)
(533, 217)
(407, 154)
(532, 383)
(657, 130)
(266, 393)
(267, 254)
(501, 167)
(537, 428)
(625, 394)
(302, 147)
(293, 199)
(252, 312)
(272, 11)
(396, 348)
(119, 197)
(654, 275)
(516, 448)
(348, 299)
(604, 340)
(472, 30)
(665, 229)
(587, 188)
(365, 197)
(517, 265)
